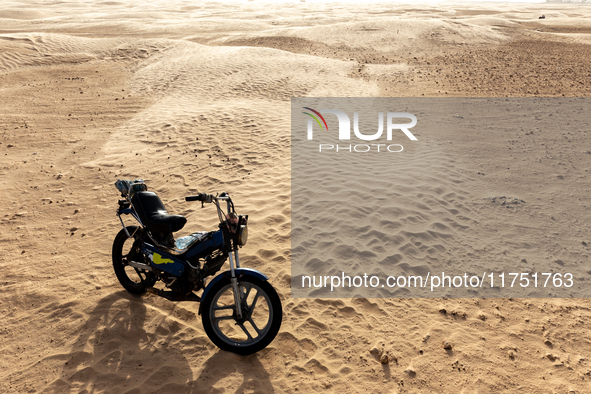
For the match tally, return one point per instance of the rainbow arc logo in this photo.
(315, 118)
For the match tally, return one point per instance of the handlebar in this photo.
(209, 198)
(193, 198)
(203, 197)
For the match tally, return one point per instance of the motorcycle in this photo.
(240, 310)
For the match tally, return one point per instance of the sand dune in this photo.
(196, 97)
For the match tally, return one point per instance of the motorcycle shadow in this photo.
(230, 368)
(122, 347)
(119, 350)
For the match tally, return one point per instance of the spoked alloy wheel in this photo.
(260, 321)
(133, 279)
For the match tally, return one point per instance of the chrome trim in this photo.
(141, 266)
(232, 273)
(235, 288)
(236, 297)
(236, 257)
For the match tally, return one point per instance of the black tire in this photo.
(233, 335)
(134, 280)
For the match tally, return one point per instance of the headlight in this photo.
(242, 235)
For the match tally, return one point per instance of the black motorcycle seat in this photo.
(151, 211)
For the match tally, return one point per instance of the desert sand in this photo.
(195, 96)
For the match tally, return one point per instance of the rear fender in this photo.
(240, 272)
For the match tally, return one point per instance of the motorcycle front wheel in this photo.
(133, 279)
(260, 321)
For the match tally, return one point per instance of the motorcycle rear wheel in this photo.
(261, 315)
(133, 279)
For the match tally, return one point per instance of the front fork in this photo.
(234, 280)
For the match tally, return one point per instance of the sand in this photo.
(196, 97)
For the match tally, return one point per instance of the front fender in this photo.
(227, 274)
